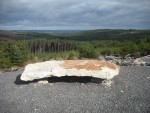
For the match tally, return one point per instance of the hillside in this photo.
(89, 35)
(23, 35)
(10, 35)
(108, 34)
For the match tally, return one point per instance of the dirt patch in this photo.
(87, 64)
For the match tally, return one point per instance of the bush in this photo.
(73, 55)
(129, 48)
(106, 52)
(144, 47)
(88, 52)
(13, 53)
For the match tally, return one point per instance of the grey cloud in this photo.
(70, 14)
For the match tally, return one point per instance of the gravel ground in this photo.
(130, 93)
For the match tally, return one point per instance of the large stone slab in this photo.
(93, 68)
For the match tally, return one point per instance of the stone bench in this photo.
(91, 68)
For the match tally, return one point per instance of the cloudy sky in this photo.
(74, 14)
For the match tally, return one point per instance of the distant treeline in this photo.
(91, 35)
(20, 52)
(108, 34)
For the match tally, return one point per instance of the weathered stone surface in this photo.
(94, 68)
(114, 60)
(143, 61)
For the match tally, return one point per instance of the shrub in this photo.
(13, 53)
(88, 52)
(73, 55)
(129, 48)
(106, 51)
(144, 47)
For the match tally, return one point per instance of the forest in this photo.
(18, 48)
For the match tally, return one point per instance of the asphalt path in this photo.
(129, 93)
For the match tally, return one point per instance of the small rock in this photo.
(139, 62)
(107, 82)
(82, 83)
(128, 62)
(143, 61)
(43, 82)
(109, 58)
(113, 59)
(50, 84)
(101, 58)
(148, 77)
(121, 91)
(14, 68)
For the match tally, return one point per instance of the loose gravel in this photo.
(128, 93)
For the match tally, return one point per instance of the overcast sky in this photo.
(74, 14)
